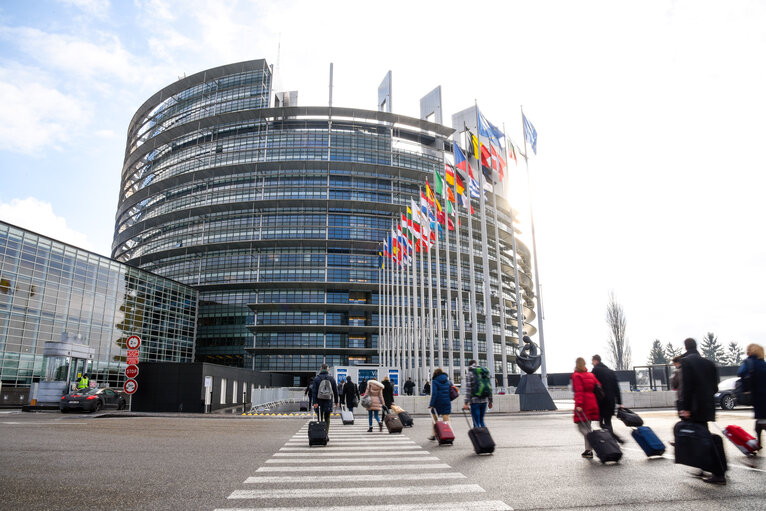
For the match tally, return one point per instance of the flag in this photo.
(429, 194)
(486, 162)
(449, 174)
(412, 219)
(487, 129)
(386, 244)
(460, 185)
(512, 152)
(380, 259)
(530, 134)
(473, 144)
(450, 197)
(498, 163)
(438, 183)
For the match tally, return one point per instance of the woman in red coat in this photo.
(583, 383)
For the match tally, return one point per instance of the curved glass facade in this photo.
(275, 215)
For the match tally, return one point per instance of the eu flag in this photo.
(530, 134)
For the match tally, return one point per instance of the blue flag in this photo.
(489, 130)
(530, 134)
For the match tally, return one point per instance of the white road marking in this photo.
(314, 493)
(672, 458)
(477, 505)
(355, 448)
(333, 459)
(357, 468)
(354, 441)
(369, 477)
(355, 453)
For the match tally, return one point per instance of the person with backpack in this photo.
(753, 369)
(583, 385)
(350, 394)
(478, 392)
(325, 393)
(440, 399)
(375, 393)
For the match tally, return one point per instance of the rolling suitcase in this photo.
(392, 422)
(480, 438)
(304, 406)
(648, 441)
(407, 421)
(697, 447)
(744, 441)
(317, 433)
(346, 416)
(602, 442)
(442, 431)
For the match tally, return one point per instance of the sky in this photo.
(648, 180)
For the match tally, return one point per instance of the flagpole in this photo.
(459, 304)
(422, 314)
(415, 327)
(515, 260)
(439, 322)
(380, 303)
(431, 309)
(450, 335)
(544, 370)
(501, 296)
(410, 329)
(488, 325)
(384, 341)
(472, 280)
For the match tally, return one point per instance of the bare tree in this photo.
(619, 348)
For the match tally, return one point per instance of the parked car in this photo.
(726, 397)
(91, 400)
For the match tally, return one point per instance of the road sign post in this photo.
(133, 344)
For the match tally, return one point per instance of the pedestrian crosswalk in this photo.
(358, 471)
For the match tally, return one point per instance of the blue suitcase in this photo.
(649, 442)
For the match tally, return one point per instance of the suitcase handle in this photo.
(466, 419)
(434, 416)
(584, 419)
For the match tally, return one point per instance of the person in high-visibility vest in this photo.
(83, 383)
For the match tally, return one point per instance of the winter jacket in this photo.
(468, 383)
(388, 393)
(583, 384)
(375, 391)
(408, 386)
(363, 387)
(427, 388)
(440, 400)
(699, 383)
(608, 380)
(349, 393)
(758, 381)
(325, 405)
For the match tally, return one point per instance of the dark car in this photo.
(727, 397)
(91, 400)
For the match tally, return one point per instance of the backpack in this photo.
(481, 385)
(325, 390)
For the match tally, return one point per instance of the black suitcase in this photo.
(480, 438)
(603, 443)
(697, 447)
(407, 421)
(317, 433)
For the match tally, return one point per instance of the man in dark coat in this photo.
(323, 407)
(388, 392)
(608, 380)
(363, 386)
(409, 385)
(699, 383)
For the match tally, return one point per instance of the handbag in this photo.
(629, 418)
(599, 391)
(454, 393)
(366, 401)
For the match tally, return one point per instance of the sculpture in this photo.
(530, 356)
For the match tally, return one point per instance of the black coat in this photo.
(325, 405)
(349, 392)
(758, 375)
(608, 380)
(699, 383)
(363, 387)
(408, 386)
(388, 393)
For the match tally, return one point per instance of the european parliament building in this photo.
(275, 213)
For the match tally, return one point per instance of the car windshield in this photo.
(727, 384)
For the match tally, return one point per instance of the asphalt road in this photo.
(53, 461)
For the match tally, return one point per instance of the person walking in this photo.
(308, 394)
(585, 401)
(350, 394)
(754, 368)
(675, 381)
(325, 393)
(409, 385)
(612, 397)
(388, 392)
(477, 397)
(426, 388)
(375, 392)
(440, 401)
(699, 383)
(363, 386)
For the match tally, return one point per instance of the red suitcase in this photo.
(744, 441)
(442, 430)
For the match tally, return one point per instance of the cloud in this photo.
(35, 116)
(96, 8)
(38, 216)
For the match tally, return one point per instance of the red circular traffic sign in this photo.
(131, 371)
(133, 342)
(130, 386)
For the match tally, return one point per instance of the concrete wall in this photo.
(656, 399)
(419, 404)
